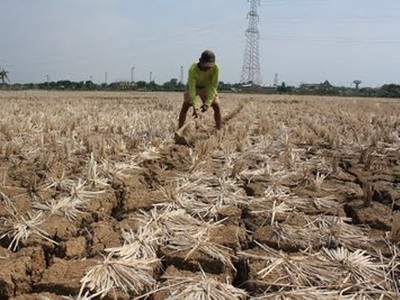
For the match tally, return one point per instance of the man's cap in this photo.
(207, 58)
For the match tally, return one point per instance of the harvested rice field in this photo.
(296, 197)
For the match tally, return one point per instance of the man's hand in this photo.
(204, 108)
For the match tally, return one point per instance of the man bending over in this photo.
(202, 82)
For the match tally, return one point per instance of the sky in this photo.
(303, 41)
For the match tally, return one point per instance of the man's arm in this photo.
(192, 88)
(212, 88)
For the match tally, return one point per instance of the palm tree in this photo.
(4, 76)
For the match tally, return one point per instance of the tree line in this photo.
(390, 90)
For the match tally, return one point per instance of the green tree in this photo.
(152, 86)
(141, 84)
(170, 85)
(282, 88)
(390, 90)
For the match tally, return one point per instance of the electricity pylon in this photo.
(251, 63)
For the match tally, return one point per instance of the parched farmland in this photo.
(295, 198)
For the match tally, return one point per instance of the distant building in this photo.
(316, 86)
(121, 85)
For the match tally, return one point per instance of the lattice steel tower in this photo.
(251, 63)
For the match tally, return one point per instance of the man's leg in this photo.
(216, 107)
(217, 114)
(185, 107)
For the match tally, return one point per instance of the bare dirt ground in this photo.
(296, 196)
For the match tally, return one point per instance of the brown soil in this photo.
(39, 267)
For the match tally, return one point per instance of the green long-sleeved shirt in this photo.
(199, 79)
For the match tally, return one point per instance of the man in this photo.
(203, 82)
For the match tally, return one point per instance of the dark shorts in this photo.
(203, 96)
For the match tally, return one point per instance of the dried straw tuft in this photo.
(134, 275)
(200, 287)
